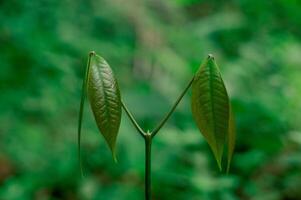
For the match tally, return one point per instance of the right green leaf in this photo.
(210, 107)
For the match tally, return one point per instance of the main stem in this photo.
(148, 145)
(148, 136)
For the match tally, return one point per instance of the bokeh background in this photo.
(154, 48)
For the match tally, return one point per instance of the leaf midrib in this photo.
(102, 71)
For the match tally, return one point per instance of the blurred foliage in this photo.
(154, 47)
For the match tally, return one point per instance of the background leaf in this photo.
(104, 96)
(210, 106)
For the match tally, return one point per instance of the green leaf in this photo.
(210, 106)
(105, 101)
(104, 95)
(231, 139)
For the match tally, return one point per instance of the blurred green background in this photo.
(154, 48)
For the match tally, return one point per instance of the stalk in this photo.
(148, 145)
(148, 137)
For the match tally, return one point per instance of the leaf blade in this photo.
(105, 101)
(210, 106)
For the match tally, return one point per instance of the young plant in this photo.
(210, 106)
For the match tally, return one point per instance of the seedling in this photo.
(210, 107)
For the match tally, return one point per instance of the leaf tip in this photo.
(92, 53)
(113, 151)
(81, 167)
(115, 158)
(210, 56)
(228, 168)
(219, 164)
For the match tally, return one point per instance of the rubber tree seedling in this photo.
(210, 107)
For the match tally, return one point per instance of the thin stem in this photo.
(81, 109)
(148, 145)
(134, 122)
(164, 120)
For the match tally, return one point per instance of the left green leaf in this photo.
(104, 95)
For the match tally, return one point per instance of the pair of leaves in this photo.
(210, 105)
(104, 96)
(212, 111)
